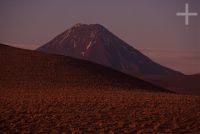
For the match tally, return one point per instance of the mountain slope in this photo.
(30, 69)
(95, 43)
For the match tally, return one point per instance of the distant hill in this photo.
(188, 84)
(35, 70)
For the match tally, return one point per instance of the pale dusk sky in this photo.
(148, 25)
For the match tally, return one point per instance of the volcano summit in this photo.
(95, 43)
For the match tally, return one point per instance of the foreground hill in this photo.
(27, 69)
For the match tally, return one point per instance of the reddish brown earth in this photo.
(97, 111)
(41, 93)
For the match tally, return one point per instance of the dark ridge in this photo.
(27, 69)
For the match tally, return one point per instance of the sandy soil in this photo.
(97, 111)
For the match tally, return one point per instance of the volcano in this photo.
(95, 43)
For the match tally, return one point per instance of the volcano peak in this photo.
(95, 43)
(91, 27)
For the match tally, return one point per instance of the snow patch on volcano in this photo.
(89, 45)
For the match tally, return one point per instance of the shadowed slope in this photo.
(27, 69)
(187, 84)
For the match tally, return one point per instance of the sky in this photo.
(148, 25)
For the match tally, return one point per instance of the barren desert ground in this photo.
(97, 111)
(43, 93)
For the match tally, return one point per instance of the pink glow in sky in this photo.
(146, 24)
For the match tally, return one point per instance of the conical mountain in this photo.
(95, 43)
